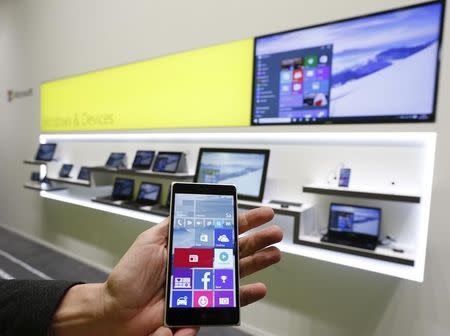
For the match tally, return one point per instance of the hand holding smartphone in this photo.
(202, 286)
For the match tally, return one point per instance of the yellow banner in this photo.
(209, 87)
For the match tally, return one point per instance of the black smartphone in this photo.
(344, 177)
(202, 284)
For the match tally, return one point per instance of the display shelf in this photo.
(276, 207)
(388, 194)
(144, 173)
(70, 180)
(38, 187)
(398, 270)
(34, 162)
(381, 252)
(67, 196)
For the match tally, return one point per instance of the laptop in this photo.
(122, 192)
(65, 170)
(143, 160)
(353, 226)
(45, 152)
(116, 161)
(167, 162)
(84, 174)
(148, 195)
(162, 209)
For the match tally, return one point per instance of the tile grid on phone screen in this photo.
(203, 263)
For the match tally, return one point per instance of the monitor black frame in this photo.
(354, 236)
(145, 201)
(116, 197)
(167, 153)
(265, 152)
(143, 167)
(358, 120)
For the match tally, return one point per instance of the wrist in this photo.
(82, 312)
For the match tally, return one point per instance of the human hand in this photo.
(131, 301)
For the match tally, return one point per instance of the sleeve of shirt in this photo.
(27, 306)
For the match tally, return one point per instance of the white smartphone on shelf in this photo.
(202, 286)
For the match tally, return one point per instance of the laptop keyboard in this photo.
(366, 246)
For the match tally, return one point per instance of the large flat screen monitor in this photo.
(245, 168)
(377, 68)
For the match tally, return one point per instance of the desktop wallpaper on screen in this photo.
(378, 66)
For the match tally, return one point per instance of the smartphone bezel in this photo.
(179, 317)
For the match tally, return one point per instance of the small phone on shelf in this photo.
(202, 285)
(344, 177)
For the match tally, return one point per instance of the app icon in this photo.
(311, 61)
(228, 223)
(323, 72)
(209, 223)
(199, 223)
(323, 59)
(182, 278)
(297, 87)
(193, 257)
(204, 238)
(286, 76)
(179, 223)
(223, 258)
(223, 279)
(182, 299)
(320, 100)
(203, 279)
(310, 73)
(219, 223)
(223, 238)
(316, 86)
(285, 89)
(298, 75)
(224, 299)
(189, 223)
(203, 299)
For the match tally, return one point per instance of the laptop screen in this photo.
(354, 219)
(115, 160)
(84, 174)
(46, 152)
(143, 159)
(65, 170)
(123, 189)
(167, 162)
(149, 192)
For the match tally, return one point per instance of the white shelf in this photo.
(70, 180)
(85, 201)
(355, 261)
(387, 194)
(276, 207)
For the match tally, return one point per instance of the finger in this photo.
(254, 218)
(186, 332)
(156, 234)
(259, 240)
(162, 331)
(259, 260)
(252, 293)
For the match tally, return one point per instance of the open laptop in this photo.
(353, 226)
(122, 192)
(143, 160)
(65, 170)
(84, 174)
(46, 152)
(116, 160)
(148, 195)
(167, 162)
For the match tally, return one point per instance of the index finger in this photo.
(254, 218)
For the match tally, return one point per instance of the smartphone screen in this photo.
(344, 177)
(203, 275)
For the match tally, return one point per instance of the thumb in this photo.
(162, 331)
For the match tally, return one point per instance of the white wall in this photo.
(47, 39)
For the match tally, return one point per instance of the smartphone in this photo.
(202, 285)
(344, 177)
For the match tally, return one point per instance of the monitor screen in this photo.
(377, 68)
(65, 170)
(167, 162)
(143, 159)
(123, 189)
(84, 174)
(116, 160)
(355, 219)
(245, 168)
(149, 192)
(46, 152)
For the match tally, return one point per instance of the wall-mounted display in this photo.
(246, 168)
(382, 67)
(45, 152)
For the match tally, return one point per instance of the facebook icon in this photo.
(203, 279)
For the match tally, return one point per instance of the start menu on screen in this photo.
(203, 254)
